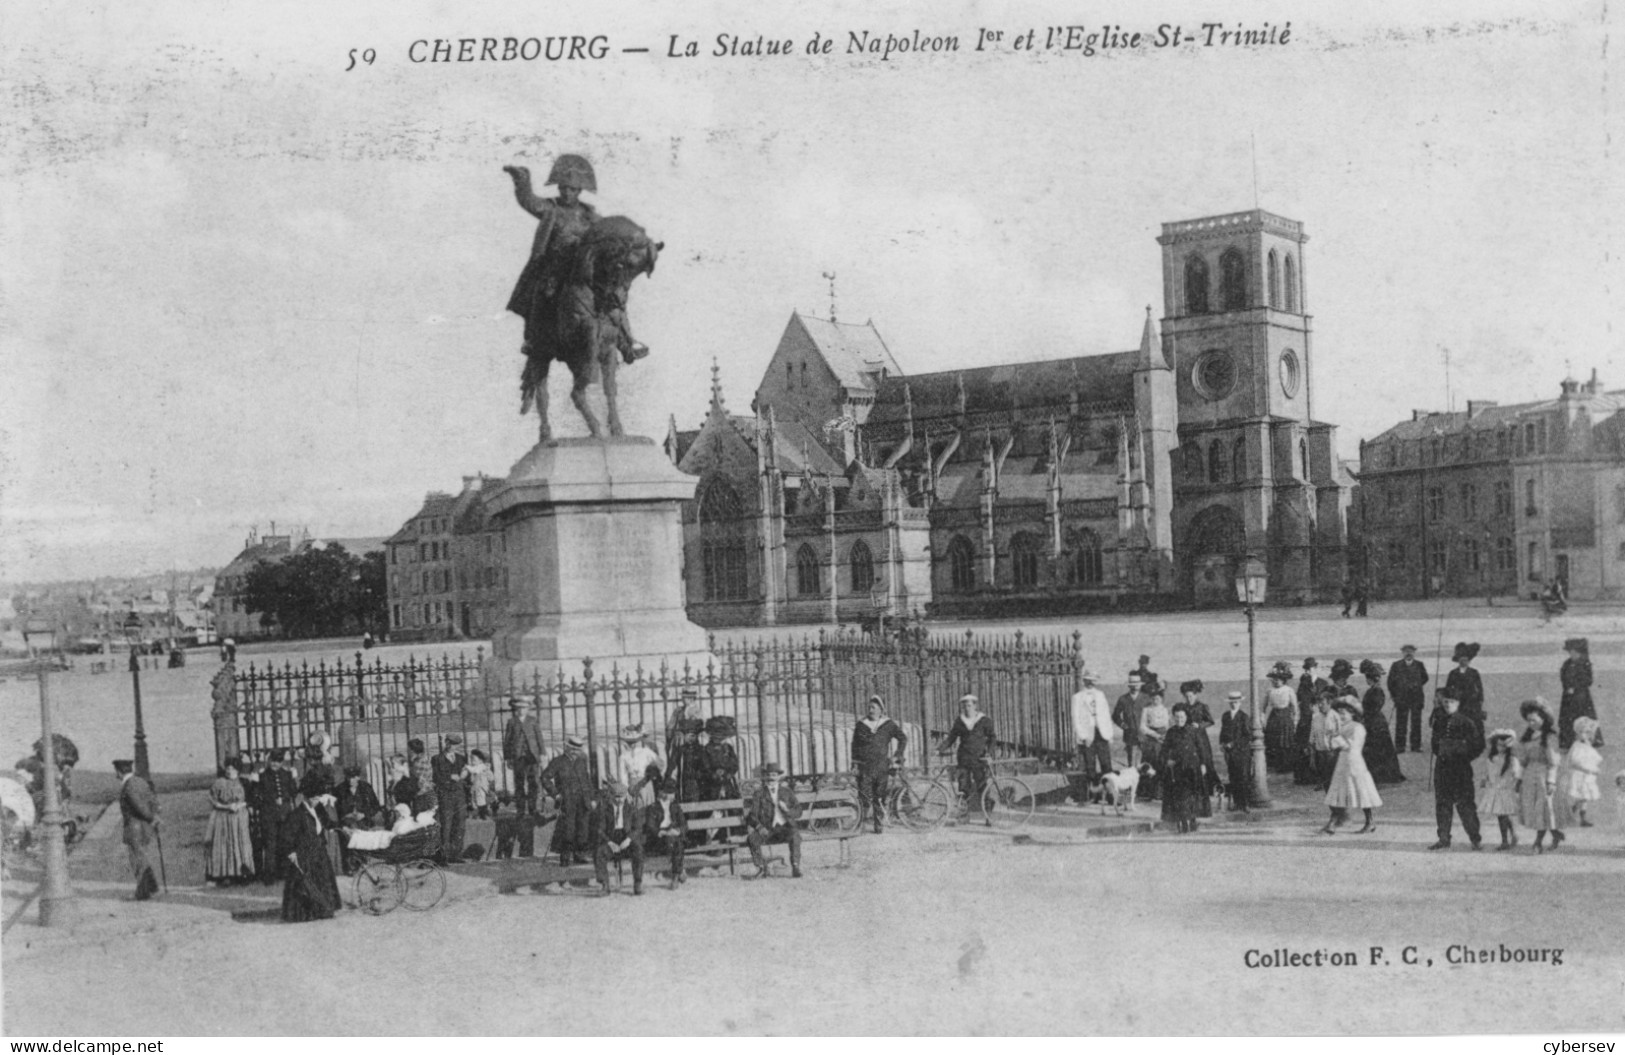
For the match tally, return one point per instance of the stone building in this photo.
(1496, 500)
(1137, 477)
(232, 616)
(446, 573)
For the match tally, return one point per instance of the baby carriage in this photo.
(402, 873)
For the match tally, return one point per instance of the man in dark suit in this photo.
(1236, 741)
(449, 768)
(617, 828)
(1457, 740)
(522, 751)
(138, 804)
(277, 790)
(770, 817)
(1126, 716)
(1406, 681)
(665, 829)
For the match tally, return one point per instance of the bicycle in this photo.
(909, 801)
(1005, 800)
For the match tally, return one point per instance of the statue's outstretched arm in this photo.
(528, 201)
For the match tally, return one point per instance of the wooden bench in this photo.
(723, 821)
(825, 815)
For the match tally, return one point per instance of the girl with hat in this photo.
(1585, 762)
(638, 766)
(1306, 773)
(1351, 785)
(1538, 805)
(1501, 785)
(1280, 721)
(1576, 702)
(1380, 757)
(1183, 771)
(1464, 684)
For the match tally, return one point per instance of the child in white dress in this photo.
(1501, 785)
(1585, 762)
(481, 784)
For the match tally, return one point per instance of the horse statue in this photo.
(584, 324)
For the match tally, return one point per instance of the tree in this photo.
(326, 592)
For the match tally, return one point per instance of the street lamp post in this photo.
(132, 634)
(56, 901)
(1251, 581)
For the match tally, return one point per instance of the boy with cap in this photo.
(1457, 740)
(1407, 679)
(770, 817)
(522, 752)
(138, 804)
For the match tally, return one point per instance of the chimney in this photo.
(1421, 415)
(1594, 386)
(472, 483)
(1475, 407)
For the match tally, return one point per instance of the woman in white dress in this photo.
(1351, 785)
(634, 765)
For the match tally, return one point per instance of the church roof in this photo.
(853, 351)
(1094, 379)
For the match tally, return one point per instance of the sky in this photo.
(243, 285)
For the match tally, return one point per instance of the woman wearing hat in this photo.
(1155, 721)
(686, 766)
(1280, 721)
(311, 892)
(1183, 772)
(1351, 785)
(1305, 771)
(1380, 756)
(1539, 807)
(1464, 684)
(638, 766)
(1342, 670)
(1576, 701)
(720, 777)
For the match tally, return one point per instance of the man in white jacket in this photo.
(1093, 728)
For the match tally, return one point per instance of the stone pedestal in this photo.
(594, 540)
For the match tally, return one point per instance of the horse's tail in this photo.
(529, 379)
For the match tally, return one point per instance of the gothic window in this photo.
(1024, 560)
(1238, 458)
(1275, 280)
(808, 580)
(862, 563)
(1233, 280)
(719, 504)
(1195, 285)
(722, 567)
(1086, 568)
(1291, 284)
(1216, 468)
(961, 564)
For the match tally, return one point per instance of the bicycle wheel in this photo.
(908, 806)
(378, 888)
(839, 815)
(1007, 802)
(423, 884)
(936, 804)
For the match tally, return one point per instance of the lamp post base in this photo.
(58, 911)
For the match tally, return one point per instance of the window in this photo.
(1303, 459)
(1435, 503)
(395, 615)
(1393, 456)
(1233, 280)
(1193, 460)
(789, 375)
(1534, 561)
(425, 583)
(961, 564)
(1438, 555)
(719, 503)
(1503, 443)
(1529, 438)
(1396, 551)
(1469, 501)
(1291, 284)
(394, 555)
(803, 375)
(462, 579)
(1470, 554)
(862, 563)
(1529, 497)
(1506, 558)
(1086, 568)
(1503, 498)
(1435, 452)
(1195, 285)
(723, 571)
(1395, 497)
(423, 553)
(1275, 280)
(809, 583)
(1238, 458)
(1215, 462)
(1024, 560)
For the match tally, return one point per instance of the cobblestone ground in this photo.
(950, 932)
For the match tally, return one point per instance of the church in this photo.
(1132, 479)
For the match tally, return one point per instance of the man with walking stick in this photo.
(138, 804)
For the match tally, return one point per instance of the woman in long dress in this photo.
(1305, 772)
(1576, 702)
(1183, 771)
(310, 891)
(1281, 721)
(231, 848)
(634, 765)
(1380, 757)
(1351, 784)
(1539, 807)
(1154, 724)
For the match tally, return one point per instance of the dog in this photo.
(1116, 789)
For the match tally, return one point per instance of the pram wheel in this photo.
(423, 884)
(378, 887)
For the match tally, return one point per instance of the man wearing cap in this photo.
(1092, 728)
(665, 829)
(138, 804)
(617, 828)
(1407, 679)
(522, 752)
(1236, 742)
(277, 788)
(450, 769)
(1457, 740)
(874, 756)
(1126, 716)
(770, 817)
(568, 779)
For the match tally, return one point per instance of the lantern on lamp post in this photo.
(56, 901)
(132, 635)
(1252, 579)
